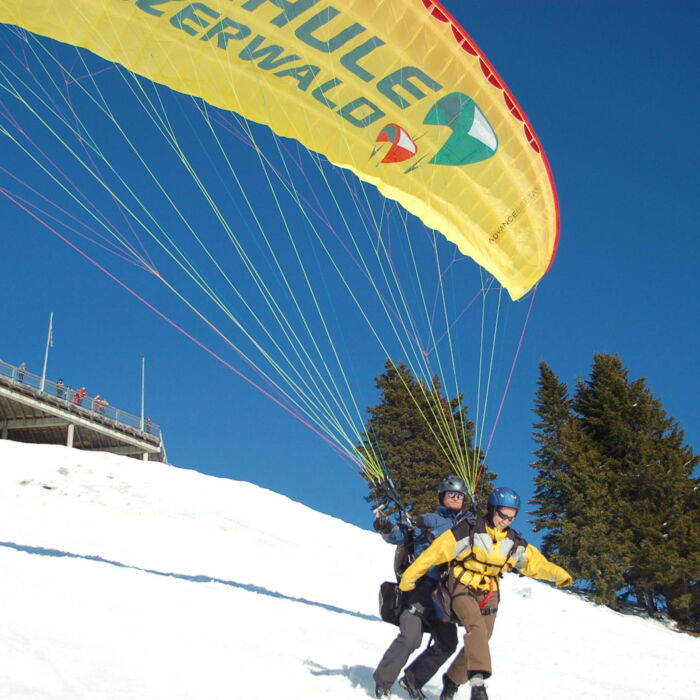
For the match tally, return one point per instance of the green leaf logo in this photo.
(473, 138)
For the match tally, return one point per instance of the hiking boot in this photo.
(414, 692)
(449, 688)
(382, 692)
(479, 692)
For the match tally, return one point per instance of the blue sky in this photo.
(612, 90)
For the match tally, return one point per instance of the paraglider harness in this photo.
(391, 603)
(444, 594)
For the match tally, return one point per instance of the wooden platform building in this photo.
(33, 409)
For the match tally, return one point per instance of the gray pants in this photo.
(407, 641)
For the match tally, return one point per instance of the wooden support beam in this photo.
(19, 423)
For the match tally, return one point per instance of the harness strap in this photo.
(488, 596)
(471, 592)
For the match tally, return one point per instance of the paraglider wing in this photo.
(333, 77)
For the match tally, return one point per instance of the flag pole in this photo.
(49, 343)
(143, 390)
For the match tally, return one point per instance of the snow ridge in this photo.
(140, 581)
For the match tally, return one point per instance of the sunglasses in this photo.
(454, 494)
(503, 516)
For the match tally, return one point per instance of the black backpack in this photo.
(390, 595)
(390, 602)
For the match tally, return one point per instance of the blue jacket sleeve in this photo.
(434, 524)
(398, 535)
(431, 523)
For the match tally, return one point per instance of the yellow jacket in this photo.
(479, 553)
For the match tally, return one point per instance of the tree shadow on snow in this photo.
(46, 552)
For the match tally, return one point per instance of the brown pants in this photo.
(475, 656)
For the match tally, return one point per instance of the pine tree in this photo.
(592, 546)
(419, 437)
(552, 406)
(650, 475)
(682, 594)
(659, 489)
(571, 495)
(615, 490)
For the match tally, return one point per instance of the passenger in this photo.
(478, 552)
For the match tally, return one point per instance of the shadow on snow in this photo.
(200, 578)
(359, 676)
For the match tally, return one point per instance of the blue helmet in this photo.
(502, 496)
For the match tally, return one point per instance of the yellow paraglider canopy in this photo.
(394, 91)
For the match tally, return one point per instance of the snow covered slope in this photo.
(130, 580)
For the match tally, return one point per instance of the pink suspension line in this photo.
(347, 457)
(512, 370)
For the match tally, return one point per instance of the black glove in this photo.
(411, 600)
(381, 524)
(411, 597)
(421, 595)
